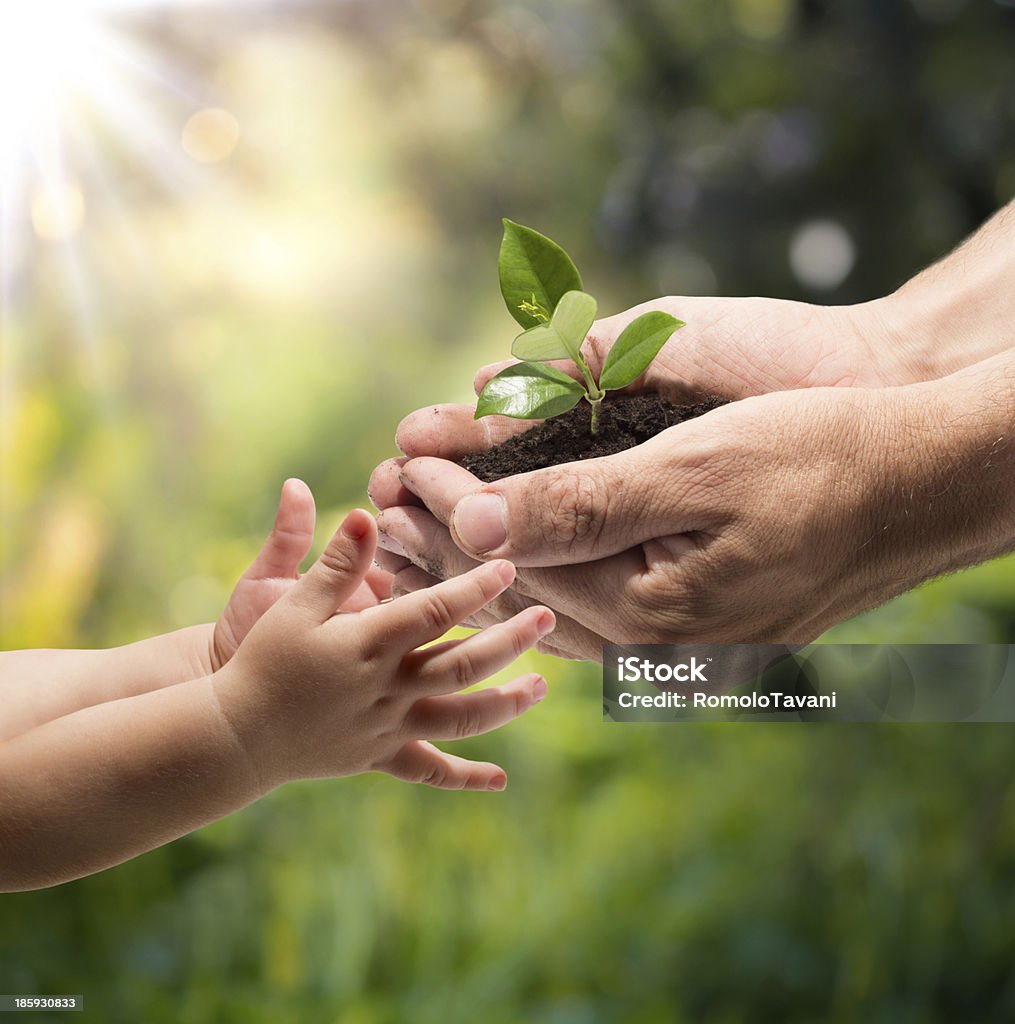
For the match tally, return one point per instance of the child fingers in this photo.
(423, 763)
(569, 639)
(428, 614)
(374, 589)
(379, 581)
(461, 663)
(342, 567)
(458, 716)
(290, 539)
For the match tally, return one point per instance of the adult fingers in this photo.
(452, 431)
(576, 512)
(290, 539)
(416, 534)
(385, 488)
(423, 763)
(428, 614)
(342, 567)
(455, 717)
(388, 561)
(458, 664)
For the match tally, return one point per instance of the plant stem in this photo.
(594, 402)
(594, 393)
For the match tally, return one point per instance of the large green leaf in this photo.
(529, 391)
(534, 274)
(562, 337)
(637, 346)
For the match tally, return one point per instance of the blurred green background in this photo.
(297, 247)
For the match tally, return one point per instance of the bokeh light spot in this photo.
(821, 254)
(210, 136)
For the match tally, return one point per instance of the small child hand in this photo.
(311, 693)
(276, 569)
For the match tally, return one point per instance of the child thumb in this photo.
(341, 568)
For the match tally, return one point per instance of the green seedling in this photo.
(543, 292)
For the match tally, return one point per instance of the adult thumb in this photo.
(343, 564)
(577, 512)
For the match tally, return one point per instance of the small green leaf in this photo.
(573, 319)
(529, 391)
(534, 274)
(539, 342)
(562, 337)
(637, 346)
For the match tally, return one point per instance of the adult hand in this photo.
(768, 519)
(732, 347)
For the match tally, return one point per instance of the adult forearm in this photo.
(957, 312)
(72, 801)
(40, 685)
(948, 475)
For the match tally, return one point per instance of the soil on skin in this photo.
(624, 421)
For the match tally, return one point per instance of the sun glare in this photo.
(91, 92)
(48, 49)
(80, 79)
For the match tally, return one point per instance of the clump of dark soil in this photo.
(624, 421)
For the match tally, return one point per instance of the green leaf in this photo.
(562, 337)
(637, 346)
(529, 391)
(534, 274)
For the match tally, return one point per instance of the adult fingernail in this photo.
(497, 783)
(480, 520)
(539, 690)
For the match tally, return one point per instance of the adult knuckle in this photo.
(578, 506)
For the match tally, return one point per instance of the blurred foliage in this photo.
(276, 313)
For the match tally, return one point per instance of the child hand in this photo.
(311, 693)
(276, 569)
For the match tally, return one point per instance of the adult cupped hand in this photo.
(757, 522)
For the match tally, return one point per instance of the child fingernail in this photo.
(539, 690)
(497, 784)
(545, 623)
(506, 571)
(355, 527)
